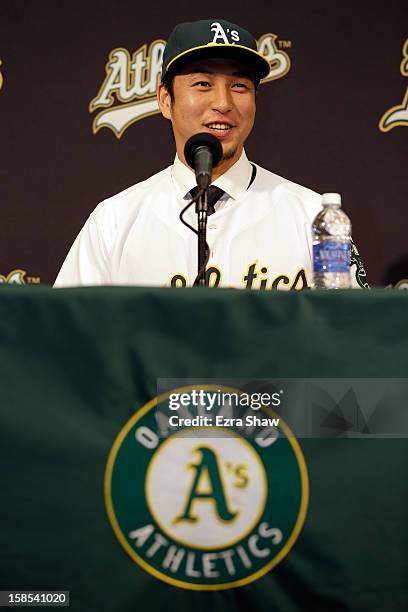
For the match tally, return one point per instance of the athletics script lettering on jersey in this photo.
(128, 91)
(205, 511)
(397, 116)
(255, 277)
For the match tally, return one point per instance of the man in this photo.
(259, 234)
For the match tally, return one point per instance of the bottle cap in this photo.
(331, 198)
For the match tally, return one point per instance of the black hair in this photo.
(168, 84)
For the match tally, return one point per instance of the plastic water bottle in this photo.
(331, 231)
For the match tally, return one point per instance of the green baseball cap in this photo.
(209, 38)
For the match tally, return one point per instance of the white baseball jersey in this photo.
(259, 235)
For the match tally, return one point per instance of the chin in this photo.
(228, 154)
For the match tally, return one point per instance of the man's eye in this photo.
(202, 84)
(240, 85)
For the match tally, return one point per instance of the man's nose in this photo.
(222, 99)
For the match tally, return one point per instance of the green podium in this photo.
(94, 502)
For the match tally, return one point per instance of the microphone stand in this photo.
(202, 212)
(202, 153)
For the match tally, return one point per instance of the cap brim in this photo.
(257, 63)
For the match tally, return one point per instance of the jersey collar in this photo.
(234, 182)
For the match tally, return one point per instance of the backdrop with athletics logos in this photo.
(79, 120)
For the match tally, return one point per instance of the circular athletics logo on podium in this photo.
(208, 507)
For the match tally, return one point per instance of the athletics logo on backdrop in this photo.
(128, 92)
(18, 277)
(397, 116)
(203, 511)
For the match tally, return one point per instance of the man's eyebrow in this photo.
(239, 73)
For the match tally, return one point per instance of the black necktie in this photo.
(214, 194)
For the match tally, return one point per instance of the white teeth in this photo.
(219, 126)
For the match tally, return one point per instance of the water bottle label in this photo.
(331, 256)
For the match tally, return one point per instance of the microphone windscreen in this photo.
(202, 140)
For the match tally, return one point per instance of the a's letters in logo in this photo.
(397, 116)
(221, 36)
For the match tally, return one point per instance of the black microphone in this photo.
(202, 153)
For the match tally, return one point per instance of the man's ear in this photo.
(164, 101)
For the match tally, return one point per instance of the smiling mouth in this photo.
(221, 127)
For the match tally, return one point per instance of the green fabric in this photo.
(77, 363)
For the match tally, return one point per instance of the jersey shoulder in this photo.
(131, 198)
(285, 191)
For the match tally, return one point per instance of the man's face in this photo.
(215, 96)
